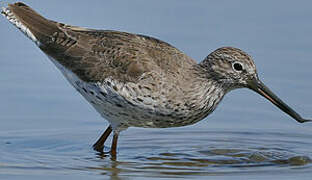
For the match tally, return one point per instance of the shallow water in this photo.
(47, 129)
(173, 153)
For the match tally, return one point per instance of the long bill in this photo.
(264, 91)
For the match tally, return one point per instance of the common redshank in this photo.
(135, 80)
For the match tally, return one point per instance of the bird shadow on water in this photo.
(144, 153)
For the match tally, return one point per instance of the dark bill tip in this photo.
(264, 91)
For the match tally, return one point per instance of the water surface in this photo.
(47, 129)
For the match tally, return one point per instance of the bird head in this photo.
(233, 68)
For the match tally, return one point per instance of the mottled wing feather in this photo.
(94, 55)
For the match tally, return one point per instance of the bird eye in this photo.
(237, 66)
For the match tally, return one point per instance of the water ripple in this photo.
(169, 154)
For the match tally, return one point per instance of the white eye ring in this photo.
(237, 66)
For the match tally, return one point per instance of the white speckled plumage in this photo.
(10, 16)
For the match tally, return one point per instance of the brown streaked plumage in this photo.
(136, 80)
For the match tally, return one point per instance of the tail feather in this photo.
(33, 25)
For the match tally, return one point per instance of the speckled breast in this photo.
(123, 107)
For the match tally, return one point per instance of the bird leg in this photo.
(114, 144)
(99, 145)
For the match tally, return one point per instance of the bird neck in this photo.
(204, 93)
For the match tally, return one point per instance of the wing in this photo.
(94, 55)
